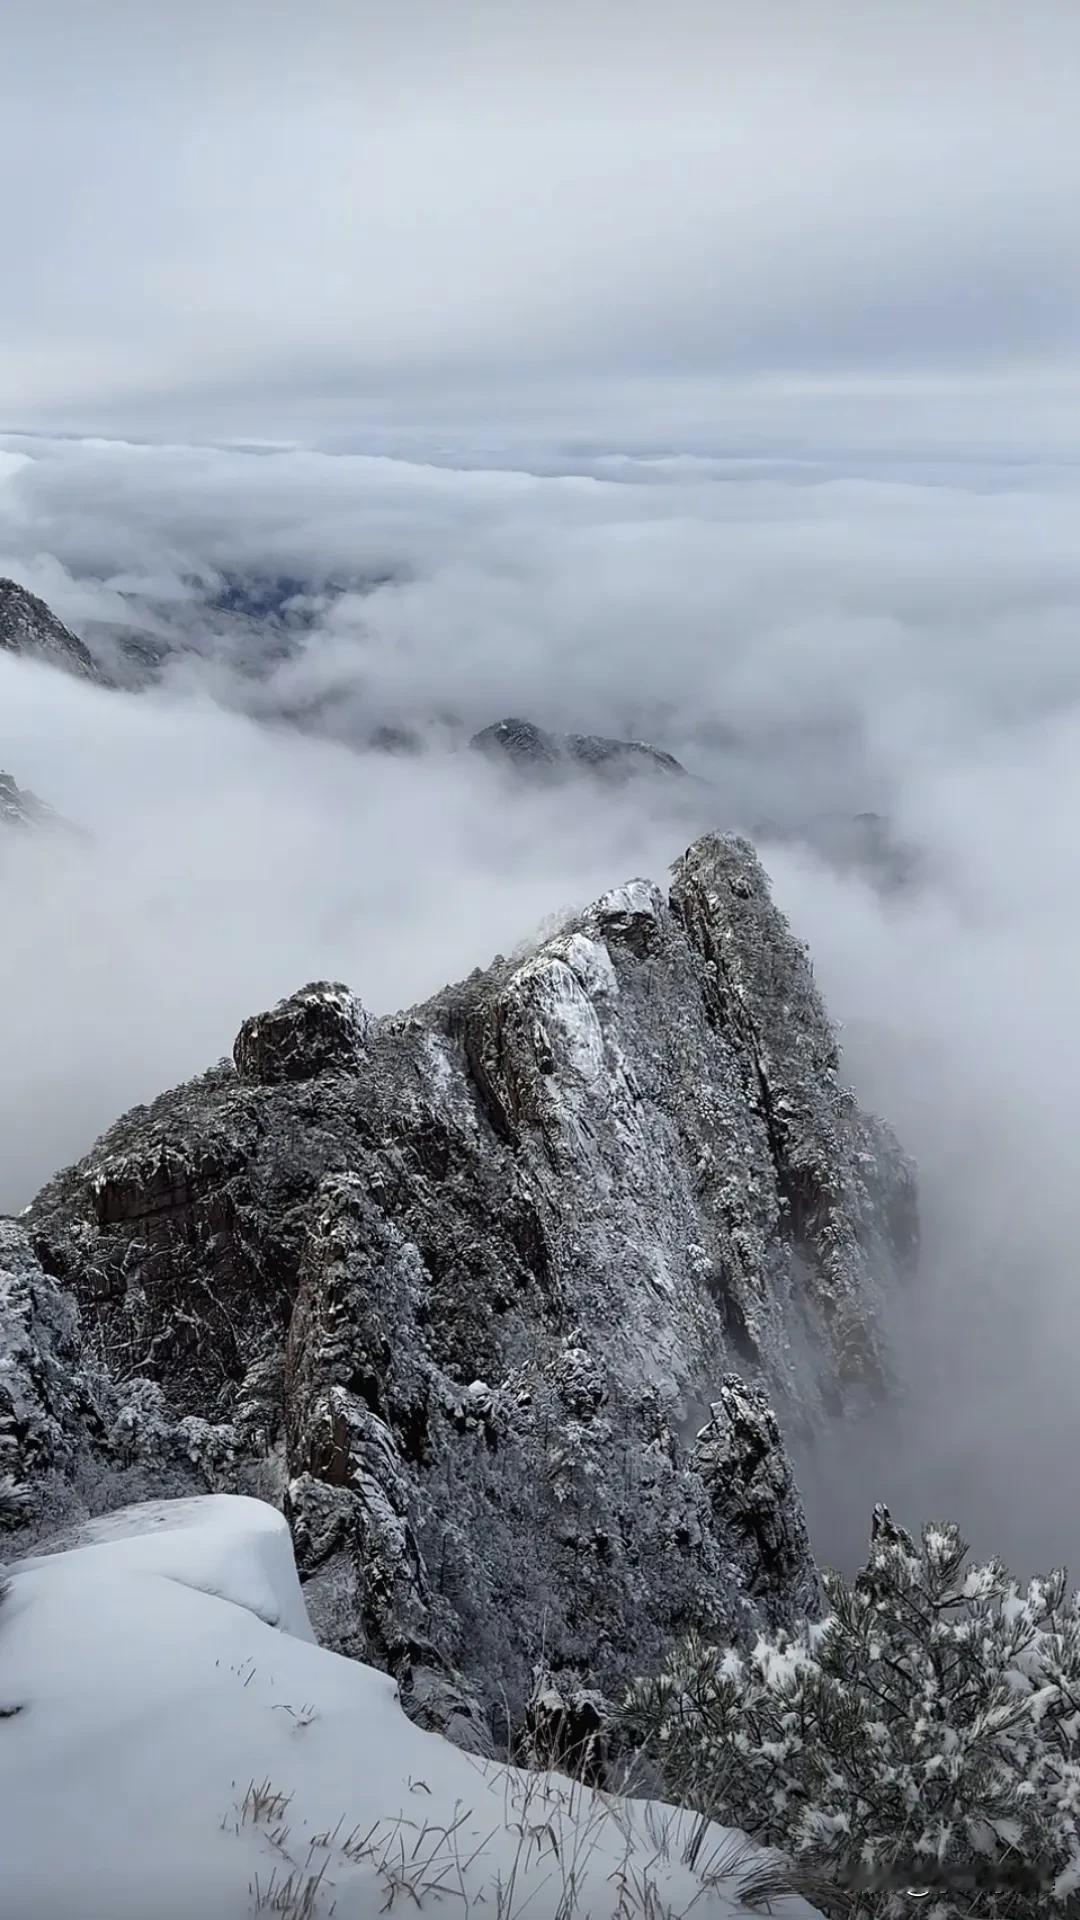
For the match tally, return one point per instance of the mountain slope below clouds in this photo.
(248, 650)
(531, 749)
(29, 627)
(21, 808)
(474, 1284)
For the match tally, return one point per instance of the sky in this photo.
(243, 217)
(708, 374)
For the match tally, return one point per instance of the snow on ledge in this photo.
(174, 1744)
(223, 1545)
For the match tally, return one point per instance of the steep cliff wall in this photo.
(477, 1284)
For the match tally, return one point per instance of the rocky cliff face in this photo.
(73, 1439)
(497, 1293)
(28, 626)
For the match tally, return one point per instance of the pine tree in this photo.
(918, 1749)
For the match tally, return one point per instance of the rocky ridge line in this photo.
(535, 751)
(495, 1295)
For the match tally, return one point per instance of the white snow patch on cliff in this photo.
(591, 963)
(638, 898)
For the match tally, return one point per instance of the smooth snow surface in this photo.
(166, 1752)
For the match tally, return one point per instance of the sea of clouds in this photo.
(813, 638)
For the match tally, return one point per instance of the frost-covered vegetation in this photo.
(917, 1750)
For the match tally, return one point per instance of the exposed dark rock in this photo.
(28, 626)
(75, 1441)
(596, 751)
(464, 1276)
(566, 1727)
(321, 1029)
(741, 1459)
(536, 751)
(521, 741)
(262, 597)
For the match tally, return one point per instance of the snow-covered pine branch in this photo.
(925, 1734)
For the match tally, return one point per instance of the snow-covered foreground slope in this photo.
(173, 1743)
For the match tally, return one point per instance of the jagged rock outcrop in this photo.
(321, 1029)
(740, 1456)
(567, 1727)
(28, 626)
(534, 750)
(476, 1281)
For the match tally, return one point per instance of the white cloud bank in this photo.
(809, 638)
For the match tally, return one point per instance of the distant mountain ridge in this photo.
(862, 844)
(531, 748)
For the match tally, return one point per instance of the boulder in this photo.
(321, 1029)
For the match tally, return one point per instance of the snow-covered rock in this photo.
(468, 1281)
(28, 626)
(321, 1028)
(741, 1459)
(74, 1441)
(173, 1743)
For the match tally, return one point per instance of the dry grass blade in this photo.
(295, 1896)
(263, 1801)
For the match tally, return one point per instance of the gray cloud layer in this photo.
(254, 217)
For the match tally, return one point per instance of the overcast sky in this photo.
(228, 217)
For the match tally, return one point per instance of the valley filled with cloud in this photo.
(279, 785)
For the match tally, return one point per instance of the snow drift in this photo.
(173, 1743)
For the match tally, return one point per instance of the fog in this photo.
(228, 865)
(813, 639)
(960, 1026)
